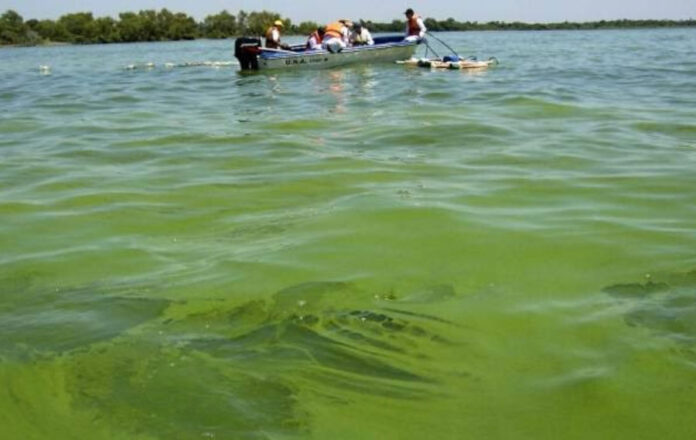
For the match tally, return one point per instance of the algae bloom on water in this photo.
(373, 252)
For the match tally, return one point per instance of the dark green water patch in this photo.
(10, 208)
(297, 125)
(75, 318)
(121, 99)
(538, 108)
(188, 140)
(668, 129)
(665, 304)
(323, 326)
(143, 388)
(233, 369)
(18, 125)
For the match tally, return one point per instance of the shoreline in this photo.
(151, 25)
(500, 29)
(46, 44)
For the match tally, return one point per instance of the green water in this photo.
(374, 252)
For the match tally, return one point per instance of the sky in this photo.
(378, 10)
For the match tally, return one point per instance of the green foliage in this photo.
(151, 25)
(177, 26)
(259, 22)
(242, 22)
(106, 30)
(12, 28)
(80, 27)
(305, 28)
(452, 25)
(50, 30)
(222, 25)
(149, 28)
(129, 27)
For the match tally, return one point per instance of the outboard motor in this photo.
(246, 50)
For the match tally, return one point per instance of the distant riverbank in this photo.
(164, 25)
(42, 44)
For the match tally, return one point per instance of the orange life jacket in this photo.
(316, 37)
(413, 26)
(269, 38)
(334, 30)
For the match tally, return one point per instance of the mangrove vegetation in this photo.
(164, 25)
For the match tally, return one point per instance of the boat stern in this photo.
(247, 51)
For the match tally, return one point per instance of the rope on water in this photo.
(444, 44)
(428, 46)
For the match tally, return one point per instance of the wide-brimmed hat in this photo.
(347, 22)
(278, 23)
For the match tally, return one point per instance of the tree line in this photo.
(164, 25)
(451, 24)
(147, 25)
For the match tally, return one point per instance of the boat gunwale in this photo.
(274, 54)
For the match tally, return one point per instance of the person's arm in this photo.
(276, 38)
(423, 29)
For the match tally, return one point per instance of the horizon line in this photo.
(230, 11)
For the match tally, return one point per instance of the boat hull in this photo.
(379, 53)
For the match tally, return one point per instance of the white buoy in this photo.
(45, 69)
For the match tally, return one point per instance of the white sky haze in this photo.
(384, 10)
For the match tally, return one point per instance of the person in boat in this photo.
(273, 36)
(314, 41)
(415, 28)
(337, 36)
(361, 36)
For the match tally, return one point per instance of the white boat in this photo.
(386, 49)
